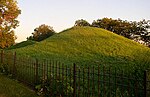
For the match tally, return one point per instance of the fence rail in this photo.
(73, 80)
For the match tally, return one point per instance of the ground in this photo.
(12, 88)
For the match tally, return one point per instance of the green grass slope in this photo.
(11, 88)
(89, 46)
(22, 44)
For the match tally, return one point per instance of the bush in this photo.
(42, 32)
(58, 87)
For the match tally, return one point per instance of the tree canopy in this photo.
(9, 12)
(81, 23)
(42, 32)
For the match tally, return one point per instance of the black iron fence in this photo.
(60, 80)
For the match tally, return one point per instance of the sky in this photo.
(62, 14)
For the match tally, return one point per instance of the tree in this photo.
(122, 27)
(9, 12)
(42, 32)
(81, 23)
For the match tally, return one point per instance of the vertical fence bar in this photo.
(56, 76)
(50, 74)
(29, 67)
(145, 83)
(2, 56)
(79, 77)
(115, 82)
(98, 81)
(121, 83)
(59, 70)
(14, 66)
(44, 75)
(36, 72)
(128, 84)
(44, 70)
(88, 82)
(148, 82)
(32, 72)
(56, 69)
(109, 87)
(66, 80)
(74, 80)
(93, 86)
(59, 78)
(50, 69)
(47, 68)
(136, 88)
(70, 76)
(53, 71)
(22, 67)
(83, 82)
(104, 81)
(62, 68)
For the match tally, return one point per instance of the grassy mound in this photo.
(22, 44)
(89, 46)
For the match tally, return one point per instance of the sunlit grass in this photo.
(22, 44)
(88, 46)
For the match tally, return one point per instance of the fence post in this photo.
(44, 70)
(74, 80)
(14, 65)
(2, 56)
(36, 72)
(145, 83)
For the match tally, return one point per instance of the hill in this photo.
(22, 44)
(89, 46)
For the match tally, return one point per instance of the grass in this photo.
(11, 88)
(88, 46)
(22, 44)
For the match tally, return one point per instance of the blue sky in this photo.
(62, 14)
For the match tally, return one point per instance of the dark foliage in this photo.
(81, 23)
(42, 32)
